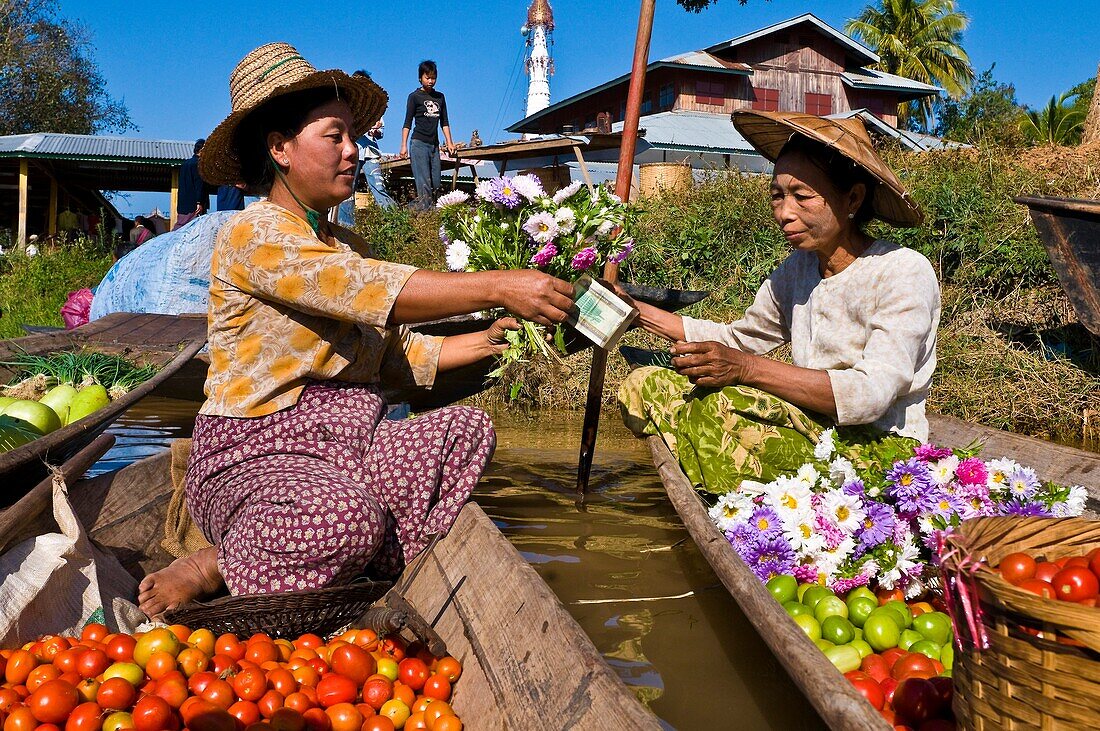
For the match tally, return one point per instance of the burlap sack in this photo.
(181, 536)
(56, 582)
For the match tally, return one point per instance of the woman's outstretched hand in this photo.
(536, 296)
(497, 334)
(711, 364)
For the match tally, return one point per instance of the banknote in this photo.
(600, 315)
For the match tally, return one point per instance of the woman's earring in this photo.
(851, 216)
(286, 161)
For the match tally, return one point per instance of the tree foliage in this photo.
(920, 40)
(49, 81)
(1058, 123)
(988, 114)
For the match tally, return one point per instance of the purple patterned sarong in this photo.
(310, 496)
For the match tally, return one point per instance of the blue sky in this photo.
(170, 63)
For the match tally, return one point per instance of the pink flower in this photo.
(584, 258)
(931, 453)
(972, 471)
(843, 586)
(543, 256)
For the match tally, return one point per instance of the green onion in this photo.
(81, 368)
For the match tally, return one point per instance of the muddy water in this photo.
(619, 560)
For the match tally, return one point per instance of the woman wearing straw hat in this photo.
(295, 476)
(860, 315)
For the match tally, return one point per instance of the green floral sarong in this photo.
(725, 436)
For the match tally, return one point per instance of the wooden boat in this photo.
(526, 662)
(834, 698)
(1070, 230)
(166, 341)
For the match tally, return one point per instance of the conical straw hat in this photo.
(270, 71)
(768, 132)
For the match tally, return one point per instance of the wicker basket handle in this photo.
(396, 615)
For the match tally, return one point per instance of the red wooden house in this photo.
(801, 64)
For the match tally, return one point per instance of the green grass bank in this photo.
(33, 288)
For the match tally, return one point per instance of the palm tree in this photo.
(1056, 124)
(920, 40)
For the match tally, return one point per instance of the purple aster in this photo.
(771, 555)
(543, 256)
(878, 526)
(976, 502)
(972, 471)
(909, 483)
(931, 453)
(443, 236)
(1023, 483)
(622, 253)
(1025, 509)
(855, 487)
(503, 193)
(943, 504)
(741, 537)
(584, 258)
(766, 523)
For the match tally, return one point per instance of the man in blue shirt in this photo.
(193, 198)
(425, 113)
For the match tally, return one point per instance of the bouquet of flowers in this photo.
(830, 523)
(511, 223)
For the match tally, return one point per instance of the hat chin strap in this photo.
(313, 218)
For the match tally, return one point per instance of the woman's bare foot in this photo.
(187, 578)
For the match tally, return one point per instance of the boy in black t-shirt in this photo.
(425, 112)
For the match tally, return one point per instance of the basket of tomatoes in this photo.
(1023, 595)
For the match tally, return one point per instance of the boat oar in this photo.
(611, 271)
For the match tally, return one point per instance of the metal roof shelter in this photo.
(45, 167)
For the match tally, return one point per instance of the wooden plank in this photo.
(834, 698)
(524, 657)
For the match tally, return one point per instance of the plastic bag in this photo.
(77, 308)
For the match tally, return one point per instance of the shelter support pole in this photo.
(21, 230)
(584, 168)
(174, 198)
(611, 271)
(51, 224)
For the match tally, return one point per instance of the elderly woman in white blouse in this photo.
(860, 314)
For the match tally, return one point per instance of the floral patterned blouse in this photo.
(287, 308)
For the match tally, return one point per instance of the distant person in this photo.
(194, 194)
(425, 112)
(230, 198)
(142, 231)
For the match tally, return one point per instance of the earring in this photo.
(851, 216)
(286, 161)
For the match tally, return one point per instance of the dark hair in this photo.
(285, 114)
(427, 68)
(362, 72)
(839, 169)
(198, 145)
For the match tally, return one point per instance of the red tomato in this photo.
(19, 667)
(335, 688)
(1037, 586)
(344, 717)
(299, 702)
(886, 595)
(870, 689)
(53, 701)
(892, 655)
(286, 719)
(377, 690)
(1017, 567)
(250, 684)
(1076, 561)
(378, 723)
(219, 693)
(317, 720)
(1074, 583)
(261, 651)
(1046, 570)
(876, 667)
(120, 648)
(67, 661)
(198, 682)
(116, 694)
(282, 680)
(916, 700)
(21, 719)
(913, 665)
(151, 714)
(271, 702)
(353, 662)
(394, 647)
(439, 687)
(946, 688)
(85, 717)
(246, 712)
(8, 699)
(93, 663)
(223, 664)
(412, 672)
(172, 690)
(449, 667)
(94, 632)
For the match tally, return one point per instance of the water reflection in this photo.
(620, 560)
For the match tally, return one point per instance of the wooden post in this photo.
(611, 271)
(21, 230)
(174, 198)
(51, 225)
(584, 168)
(1092, 121)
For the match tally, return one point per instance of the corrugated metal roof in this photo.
(681, 130)
(871, 79)
(704, 60)
(857, 49)
(95, 147)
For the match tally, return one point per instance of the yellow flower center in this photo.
(842, 513)
(906, 480)
(762, 524)
(807, 531)
(789, 501)
(729, 511)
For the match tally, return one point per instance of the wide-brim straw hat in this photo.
(768, 132)
(274, 70)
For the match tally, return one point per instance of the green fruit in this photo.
(926, 647)
(783, 587)
(88, 399)
(857, 631)
(802, 588)
(815, 594)
(796, 608)
(844, 658)
(902, 609)
(862, 591)
(837, 629)
(894, 616)
(16, 432)
(908, 638)
(809, 625)
(881, 632)
(40, 416)
(860, 608)
(823, 644)
(863, 648)
(935, 626)
(830, 606)
(60, 399)
(5, 400)
(947, 657)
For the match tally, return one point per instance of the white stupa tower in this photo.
(539, 32)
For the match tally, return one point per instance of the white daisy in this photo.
(842, 471)
(788, 497)
(999, 470)
(808, 475)
(730, 510)
(567, 220)
(846, 511)
(943, 471)
(458, 255)
(529, 186)
(484, 190)
(825, 447)
(804, 538)
(567, 192)
(454, 198)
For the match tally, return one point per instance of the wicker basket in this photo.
(288, 615)
(1042, 665)
(655, 178)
